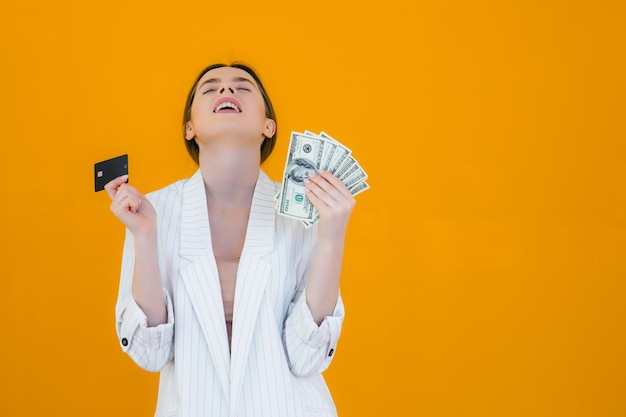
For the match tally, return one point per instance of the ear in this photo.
(270, 128)
(190, 134)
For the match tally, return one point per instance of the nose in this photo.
(229, 89)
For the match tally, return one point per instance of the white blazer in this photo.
(278, 351)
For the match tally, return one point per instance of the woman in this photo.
(238, 308)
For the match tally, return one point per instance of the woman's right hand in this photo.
(131, 207)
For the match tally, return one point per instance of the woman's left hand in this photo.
(333, 201)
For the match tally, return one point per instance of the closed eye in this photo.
(208, 90)
(244, 88)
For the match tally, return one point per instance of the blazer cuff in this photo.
(327, 333)
(134, 327)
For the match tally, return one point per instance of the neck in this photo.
(229, 175)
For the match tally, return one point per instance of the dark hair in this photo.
(268, 144)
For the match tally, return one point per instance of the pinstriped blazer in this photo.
(278, 351)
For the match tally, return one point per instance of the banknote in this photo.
(340, 155)
(304, 158)
(309, 152)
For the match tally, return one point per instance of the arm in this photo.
(310, 347)
(145, 320)
(138, 215)
(315, 316)
(335, 204)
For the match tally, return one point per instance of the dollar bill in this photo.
(359, 188)
(329, 149)
(355, 176)
(309, 152)
(304, 158)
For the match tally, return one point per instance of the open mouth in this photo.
(227, 107)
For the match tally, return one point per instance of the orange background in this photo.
(485, 271)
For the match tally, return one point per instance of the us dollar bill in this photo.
(330, 146)
(338, 157)
(304, 158)
(309, 152)
(359, 188)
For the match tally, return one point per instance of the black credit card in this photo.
(110, 169)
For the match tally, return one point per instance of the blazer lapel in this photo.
(201, 280)
(200, 276)
(252, 277)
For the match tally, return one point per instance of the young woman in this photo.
(238, 308)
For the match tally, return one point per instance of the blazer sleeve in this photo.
(150, 347)
(310, 348)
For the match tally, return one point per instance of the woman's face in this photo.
(228, 106)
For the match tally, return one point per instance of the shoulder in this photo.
(268, 184)
(167, 195)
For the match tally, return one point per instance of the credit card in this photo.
(110, 169)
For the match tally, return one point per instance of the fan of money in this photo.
(309, 152)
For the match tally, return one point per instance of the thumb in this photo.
(112, 186)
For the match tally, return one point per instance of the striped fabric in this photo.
(278, 351)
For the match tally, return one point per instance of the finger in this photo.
(133, 204)
(112, 186)
(314, 188)
(319, 183)
(330, 210)
(126, 193)
(122, 206)
(332, 191)
(336, 182)
(315, 200)
(324, 201)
